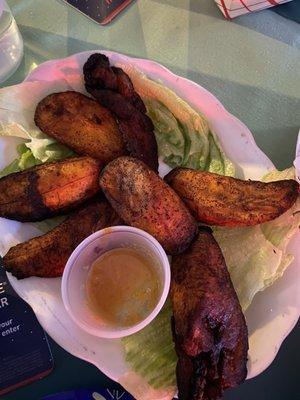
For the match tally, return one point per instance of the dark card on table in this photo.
(24, 350)
(101, 11)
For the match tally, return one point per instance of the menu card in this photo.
(235, 8)
(25, 355)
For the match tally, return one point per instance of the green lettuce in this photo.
(255, 257)
(186, 144)
(24, 161)
(150, 352)
(37, 149)
(183, 134)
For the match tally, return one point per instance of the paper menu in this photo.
(235, 8)
(25, 355)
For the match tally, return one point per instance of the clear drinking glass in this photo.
(11, 43)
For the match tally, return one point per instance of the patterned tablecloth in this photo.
(251, 64)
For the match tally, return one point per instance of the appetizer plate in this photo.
(273, 313)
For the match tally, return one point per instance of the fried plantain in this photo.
(126, 89)
(48, 189)
(209, 328)
(80, 123)
(222, 200)
(98, 74)
(45, 256)
(113, 88)
(144, 200)
(136, 128)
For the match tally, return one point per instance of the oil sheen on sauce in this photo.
(123, 287)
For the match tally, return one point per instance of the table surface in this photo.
(250, 64)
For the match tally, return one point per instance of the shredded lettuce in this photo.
(255, 257)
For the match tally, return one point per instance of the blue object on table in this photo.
(289, 10)
(25, 355)
(91, 394)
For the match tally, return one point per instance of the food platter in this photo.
(273, 312)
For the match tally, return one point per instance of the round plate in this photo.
(273, 312)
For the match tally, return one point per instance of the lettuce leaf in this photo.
(280, 231)
(37, 150)
(256, 257)
(24, 161)
(183, 134)
(186, 143)
(253, 262)
(151, 351)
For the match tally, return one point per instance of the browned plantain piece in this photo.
(209, 328)
(98, 74)
(222, 200)
(112, 87)
(126, 89)
(48, 189)
(45, 256)
(80, 123)
(136, 128)
(144, 200)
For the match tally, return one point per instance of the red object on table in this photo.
(235, 8)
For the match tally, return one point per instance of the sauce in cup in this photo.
(116, 281)
(123, 287)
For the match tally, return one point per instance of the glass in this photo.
(11, 43)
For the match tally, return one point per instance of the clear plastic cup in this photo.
(11, 43)
(78, 266)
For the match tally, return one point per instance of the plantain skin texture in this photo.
(49, 189)
(46, 256)
(221, 200)
(80, 123)
(144, 200)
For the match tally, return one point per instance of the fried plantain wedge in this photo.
(136, 128)
(45, 256)
(209, 328)
(48, 189)
(80, 123)
(225, 201)
(99, 74)
(144, 200)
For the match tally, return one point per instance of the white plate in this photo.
(273, 313)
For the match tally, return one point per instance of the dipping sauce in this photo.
(123, 287)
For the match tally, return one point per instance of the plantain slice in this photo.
(45, 256)
(222, 200)
(48, 189)
(99, 74)
(144, 200)
(209, 328)
(80, 123)
(113, 89)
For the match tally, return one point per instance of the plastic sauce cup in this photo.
(78, 266)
